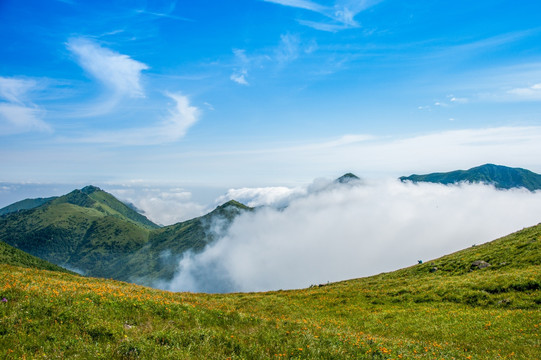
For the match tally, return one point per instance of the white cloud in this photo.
(275, 196)
(457, 100)
(181, 117)
(353, 231)
(17, 113)
(118, 72)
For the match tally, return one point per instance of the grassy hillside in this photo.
(502, 177)
(454, 312)
(15, 257)
(67, 234)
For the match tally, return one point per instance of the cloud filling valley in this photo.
(343, 231)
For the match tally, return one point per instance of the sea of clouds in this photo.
(330, 232)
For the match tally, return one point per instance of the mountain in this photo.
(93, 197)
(447, 308)
(158, 259)
(502, 177)
(93, 233)
(25, 205)
(15, 257)
(347, 178)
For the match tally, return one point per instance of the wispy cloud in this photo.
(163, 15)
(118, 72)
(287, 50)
(457, 100)
(241, 68)
(162, 9)
(17, 113)
(342, 13)
(16, 119)
(323, 26)
(527, 93)
(15, 90)
(180, 118)
(302, 4)
(239, 77)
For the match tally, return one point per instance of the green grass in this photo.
(413, 313)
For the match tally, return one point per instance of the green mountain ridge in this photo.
(91, 231)
(502, 177)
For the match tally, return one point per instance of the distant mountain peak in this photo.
(234, 203)
(346, 178)
(502, 177)
(229, 210)
(89, 189)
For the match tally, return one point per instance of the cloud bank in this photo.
(347, 232)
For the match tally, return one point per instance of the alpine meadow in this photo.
(270, 179)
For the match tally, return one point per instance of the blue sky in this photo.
(265, 92)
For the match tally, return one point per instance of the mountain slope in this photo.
(79, 237)
(90, 231)
(501, 177)
(15, 257)
(414, 313)
(158, 259)
(25, 204)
